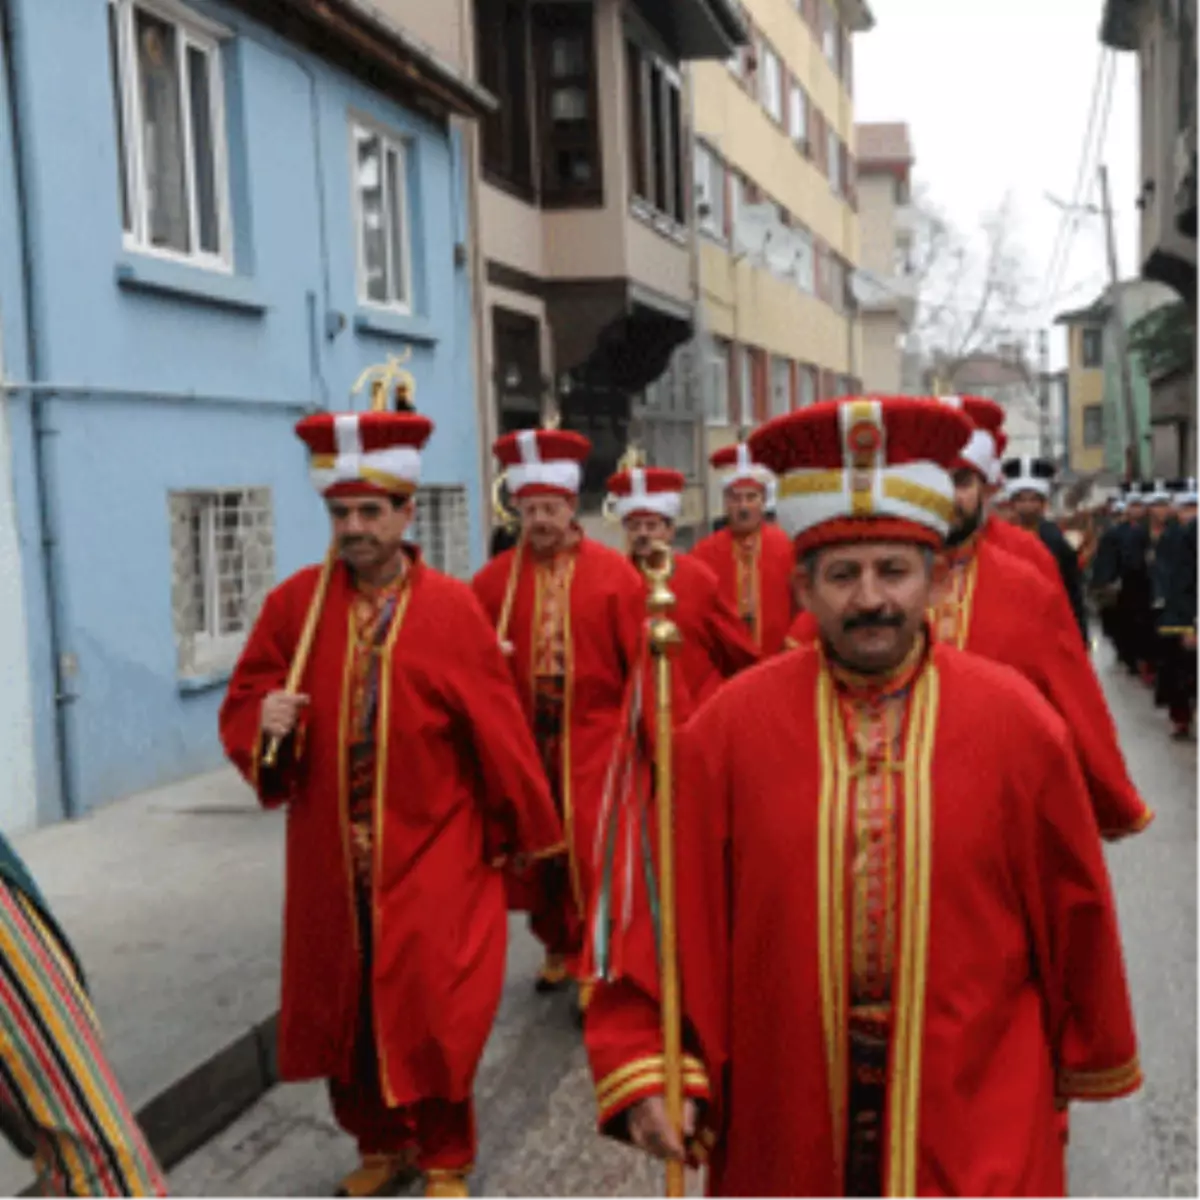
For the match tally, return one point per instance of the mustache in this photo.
(873, 620)
(357, 539)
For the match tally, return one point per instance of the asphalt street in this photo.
(536, 1108)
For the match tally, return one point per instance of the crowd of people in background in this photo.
(1138, 556)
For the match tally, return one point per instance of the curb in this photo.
(208, 1099)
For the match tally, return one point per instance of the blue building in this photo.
(213, 217)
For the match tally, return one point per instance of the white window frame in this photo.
(798, 115)
(710, 189)
(718, 386)
(780, 407)
(192, 31)
(770, 85)
(806, 388)
(829, 33)
(388, 141)
(806, 262)
(746, 385)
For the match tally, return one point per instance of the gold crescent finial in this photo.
(505, 517)
(387, 380)
(553, 420)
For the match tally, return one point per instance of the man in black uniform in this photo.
(1172, 566)
(1028, 482)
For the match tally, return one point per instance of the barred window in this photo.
(222, 567)
(441, 528)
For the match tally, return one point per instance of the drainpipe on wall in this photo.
(483, 387)
(700, 333)
(43, 480)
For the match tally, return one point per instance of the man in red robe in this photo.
(569, 614)
(898, 947)
(752, 558)
(408, 775)
(998, 606)
(716, 644)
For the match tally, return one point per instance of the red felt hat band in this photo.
(865, 529)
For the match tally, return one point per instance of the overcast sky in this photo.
(996, 95)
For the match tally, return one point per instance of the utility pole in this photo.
(1133, 457)
(1045, 449)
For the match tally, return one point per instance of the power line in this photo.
(1093, 142)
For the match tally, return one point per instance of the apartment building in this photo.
(1084, 329)
(887, 288)
(1163, 36)
(776, 188)
(585, 226)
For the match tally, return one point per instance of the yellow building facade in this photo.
(1085, 388)
(776, 194)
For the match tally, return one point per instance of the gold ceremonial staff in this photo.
(664, 639)
(381, 379)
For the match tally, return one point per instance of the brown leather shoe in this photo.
(449, 1184)
(553, 975)
(379, 1175)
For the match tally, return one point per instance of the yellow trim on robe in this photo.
(1105, 1084)
(904, 1084)
(646, 1077)
(383, 723)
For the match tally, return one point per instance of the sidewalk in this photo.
(173, 900)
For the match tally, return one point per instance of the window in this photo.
(771, 84)
(656, 116)
(1093, 347)
(1093, 425)
(566, 69)
(781, 387)
(502, 31)
(746, 385)
(829, 33)
(807, 388)
(718, 384)
(667, 416)
(710, 192)
(381, 210)
(517, 373)
(833, 154)
(170, 132)
(222, 566)
(441, 529)
(805, 264)
(798, 115)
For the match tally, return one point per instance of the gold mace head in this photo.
(658, 567)
(388, 379)
(505, 517)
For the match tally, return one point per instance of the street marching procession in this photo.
(810, 823)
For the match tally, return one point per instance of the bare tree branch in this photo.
(974, 295)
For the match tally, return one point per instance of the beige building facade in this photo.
(584, 211)
(886, 287)
(776, 191)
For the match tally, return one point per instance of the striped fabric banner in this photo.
(56, 1085)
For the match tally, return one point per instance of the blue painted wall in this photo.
(105, 326)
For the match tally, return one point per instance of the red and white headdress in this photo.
(656, 490)
(373, 452)
(982, 451)
(543, 462)
(864, 470)
(740, 468)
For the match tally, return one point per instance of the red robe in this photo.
(1026, 546)
(716, 643)
(603, 644)
(1012, 616)
(774, 586)
(459, 782)
(1009, 992)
